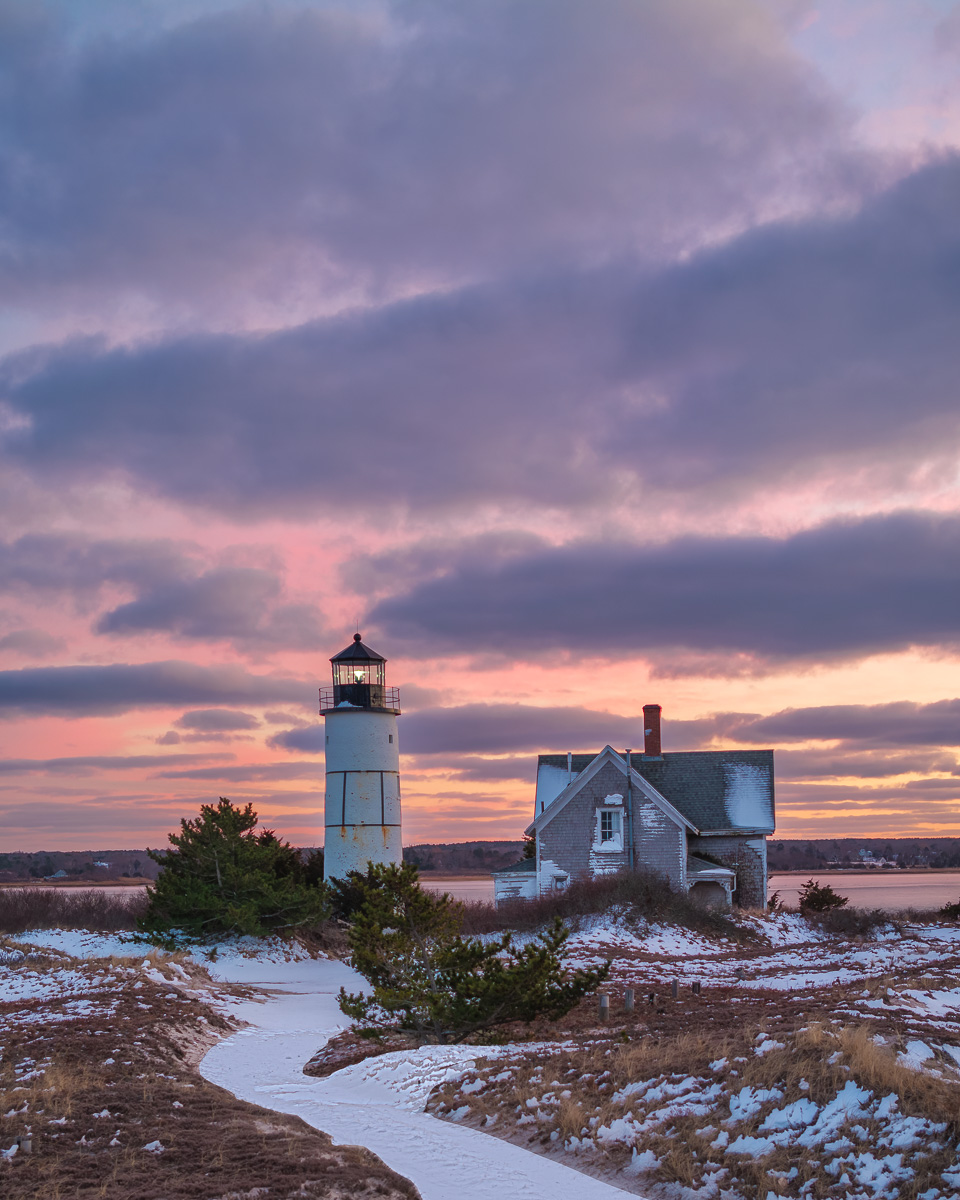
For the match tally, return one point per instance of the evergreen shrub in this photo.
(428, 980)
(222, 877)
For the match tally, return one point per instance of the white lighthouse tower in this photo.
(362, 804)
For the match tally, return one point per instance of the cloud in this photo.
(783, 354)
(81, 566)
(842, 590)
(216, 720)
(121, 687)
(305, 740)
(31, 643)
(87, 764)
(872, 764)
(500, 728)
(476, 769)
(229, 603)
(492, 729)
(251, 772)
(544, 338)
(175, 161)
(892, 725)
(173, 592)
(276, 717)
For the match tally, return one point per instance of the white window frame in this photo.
(613, 844)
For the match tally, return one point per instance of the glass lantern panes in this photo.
(346, 673)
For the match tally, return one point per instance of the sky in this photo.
(581, 353)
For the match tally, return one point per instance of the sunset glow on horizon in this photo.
(582, 355)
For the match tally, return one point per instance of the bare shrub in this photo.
(641, 893)
(105, 910)
(852, 922)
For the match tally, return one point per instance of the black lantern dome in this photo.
(359, 680)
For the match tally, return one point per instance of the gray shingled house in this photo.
(700, 818)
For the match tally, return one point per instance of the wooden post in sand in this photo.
(628, 1000)
(604, 1007)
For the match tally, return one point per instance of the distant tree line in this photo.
(861, 853)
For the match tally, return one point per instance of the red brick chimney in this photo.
(651, 731)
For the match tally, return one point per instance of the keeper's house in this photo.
(699, 818)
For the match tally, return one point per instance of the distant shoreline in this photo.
(75, 883)
(861, 871)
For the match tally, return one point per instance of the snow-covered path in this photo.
(378, 1104)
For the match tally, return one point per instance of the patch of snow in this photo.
(377, 1103)
(915, 1055)
(748, 1101)
(747, 795)
(792, 1116)
(640, 1164)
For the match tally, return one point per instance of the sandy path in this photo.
(379, 1103)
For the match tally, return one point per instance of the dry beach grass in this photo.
(682, 1096)
(105, 909)
(560, 1103)
(106, 1087)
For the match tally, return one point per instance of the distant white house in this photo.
(699, 818)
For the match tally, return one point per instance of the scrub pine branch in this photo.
(428, 980)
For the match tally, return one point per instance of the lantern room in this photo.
(359, 681)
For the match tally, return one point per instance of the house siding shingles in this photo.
(747, 856)
(566, 842)
(659, 842)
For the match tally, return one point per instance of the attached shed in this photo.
(516, 882)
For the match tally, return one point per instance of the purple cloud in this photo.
(845, 589)
(176, 160)
(788, 349)
(121, 687)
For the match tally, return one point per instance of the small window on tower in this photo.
(390, 736)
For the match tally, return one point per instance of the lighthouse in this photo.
(362, 801)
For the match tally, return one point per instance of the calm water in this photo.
(890, 890)
(458, 887)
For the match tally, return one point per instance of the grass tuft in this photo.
(102, 910)
(638, 894)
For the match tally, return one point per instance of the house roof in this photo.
(699, 866)
(716, 790)
(525, 864)
(592, 766)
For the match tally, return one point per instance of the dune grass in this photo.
(100, 910)
(638, 894)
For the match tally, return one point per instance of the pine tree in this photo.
(428, 980)
(817, 898)
(222, 877)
